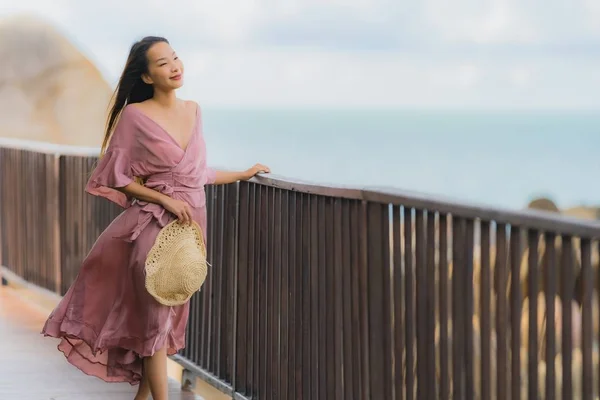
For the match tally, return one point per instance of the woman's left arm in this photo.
(225, 177)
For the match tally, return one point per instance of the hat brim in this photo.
(158, 256)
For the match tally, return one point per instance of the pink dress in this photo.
(107, 321)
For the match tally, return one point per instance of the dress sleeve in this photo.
(114, 167)
(211, 175)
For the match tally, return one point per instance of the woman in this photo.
(153, 164)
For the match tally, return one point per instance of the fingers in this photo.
(261, 168)
(258, 169)
(188, 213)
(184, 213)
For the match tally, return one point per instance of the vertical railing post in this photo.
(54, 212)
(234, 316)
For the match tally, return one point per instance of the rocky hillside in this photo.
(583, 212)
(49, 91)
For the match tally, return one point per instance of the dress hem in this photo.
(131, 356)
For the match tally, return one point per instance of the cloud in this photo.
(58, 11)
(320, 78)
(478, 22)
(465, 53)
(348, 24)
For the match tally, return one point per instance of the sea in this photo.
(497, 158)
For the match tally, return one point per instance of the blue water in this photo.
(497, 158)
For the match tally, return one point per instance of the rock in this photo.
(49, 91)
(592, 213)
(543, 204)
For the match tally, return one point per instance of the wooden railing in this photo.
(319, 292)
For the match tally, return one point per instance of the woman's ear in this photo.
(146, 79)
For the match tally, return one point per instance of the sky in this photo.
(510, 54)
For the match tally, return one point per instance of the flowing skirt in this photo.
(107, 321)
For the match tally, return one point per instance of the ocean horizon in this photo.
(497, 158)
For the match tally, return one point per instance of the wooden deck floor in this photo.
(31, 368)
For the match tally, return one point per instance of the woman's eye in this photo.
(176, 57)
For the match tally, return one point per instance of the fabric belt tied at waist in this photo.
(167, 183)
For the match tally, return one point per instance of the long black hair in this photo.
(131, 88)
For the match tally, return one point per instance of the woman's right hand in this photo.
(180, 208)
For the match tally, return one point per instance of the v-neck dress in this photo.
(107, 321)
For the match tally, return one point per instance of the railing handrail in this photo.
(537, 219)
(48, 148)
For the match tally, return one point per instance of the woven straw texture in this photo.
(176, 265)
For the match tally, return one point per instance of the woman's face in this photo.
(165, 69)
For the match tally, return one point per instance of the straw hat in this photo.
(176, 265)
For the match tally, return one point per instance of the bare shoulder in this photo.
(142, 106)
(192, 106)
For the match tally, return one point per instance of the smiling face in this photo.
(165, 69)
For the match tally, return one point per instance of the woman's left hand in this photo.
(256, 169)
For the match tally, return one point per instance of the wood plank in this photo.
(33, 369)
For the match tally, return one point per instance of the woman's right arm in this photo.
(180, 208)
